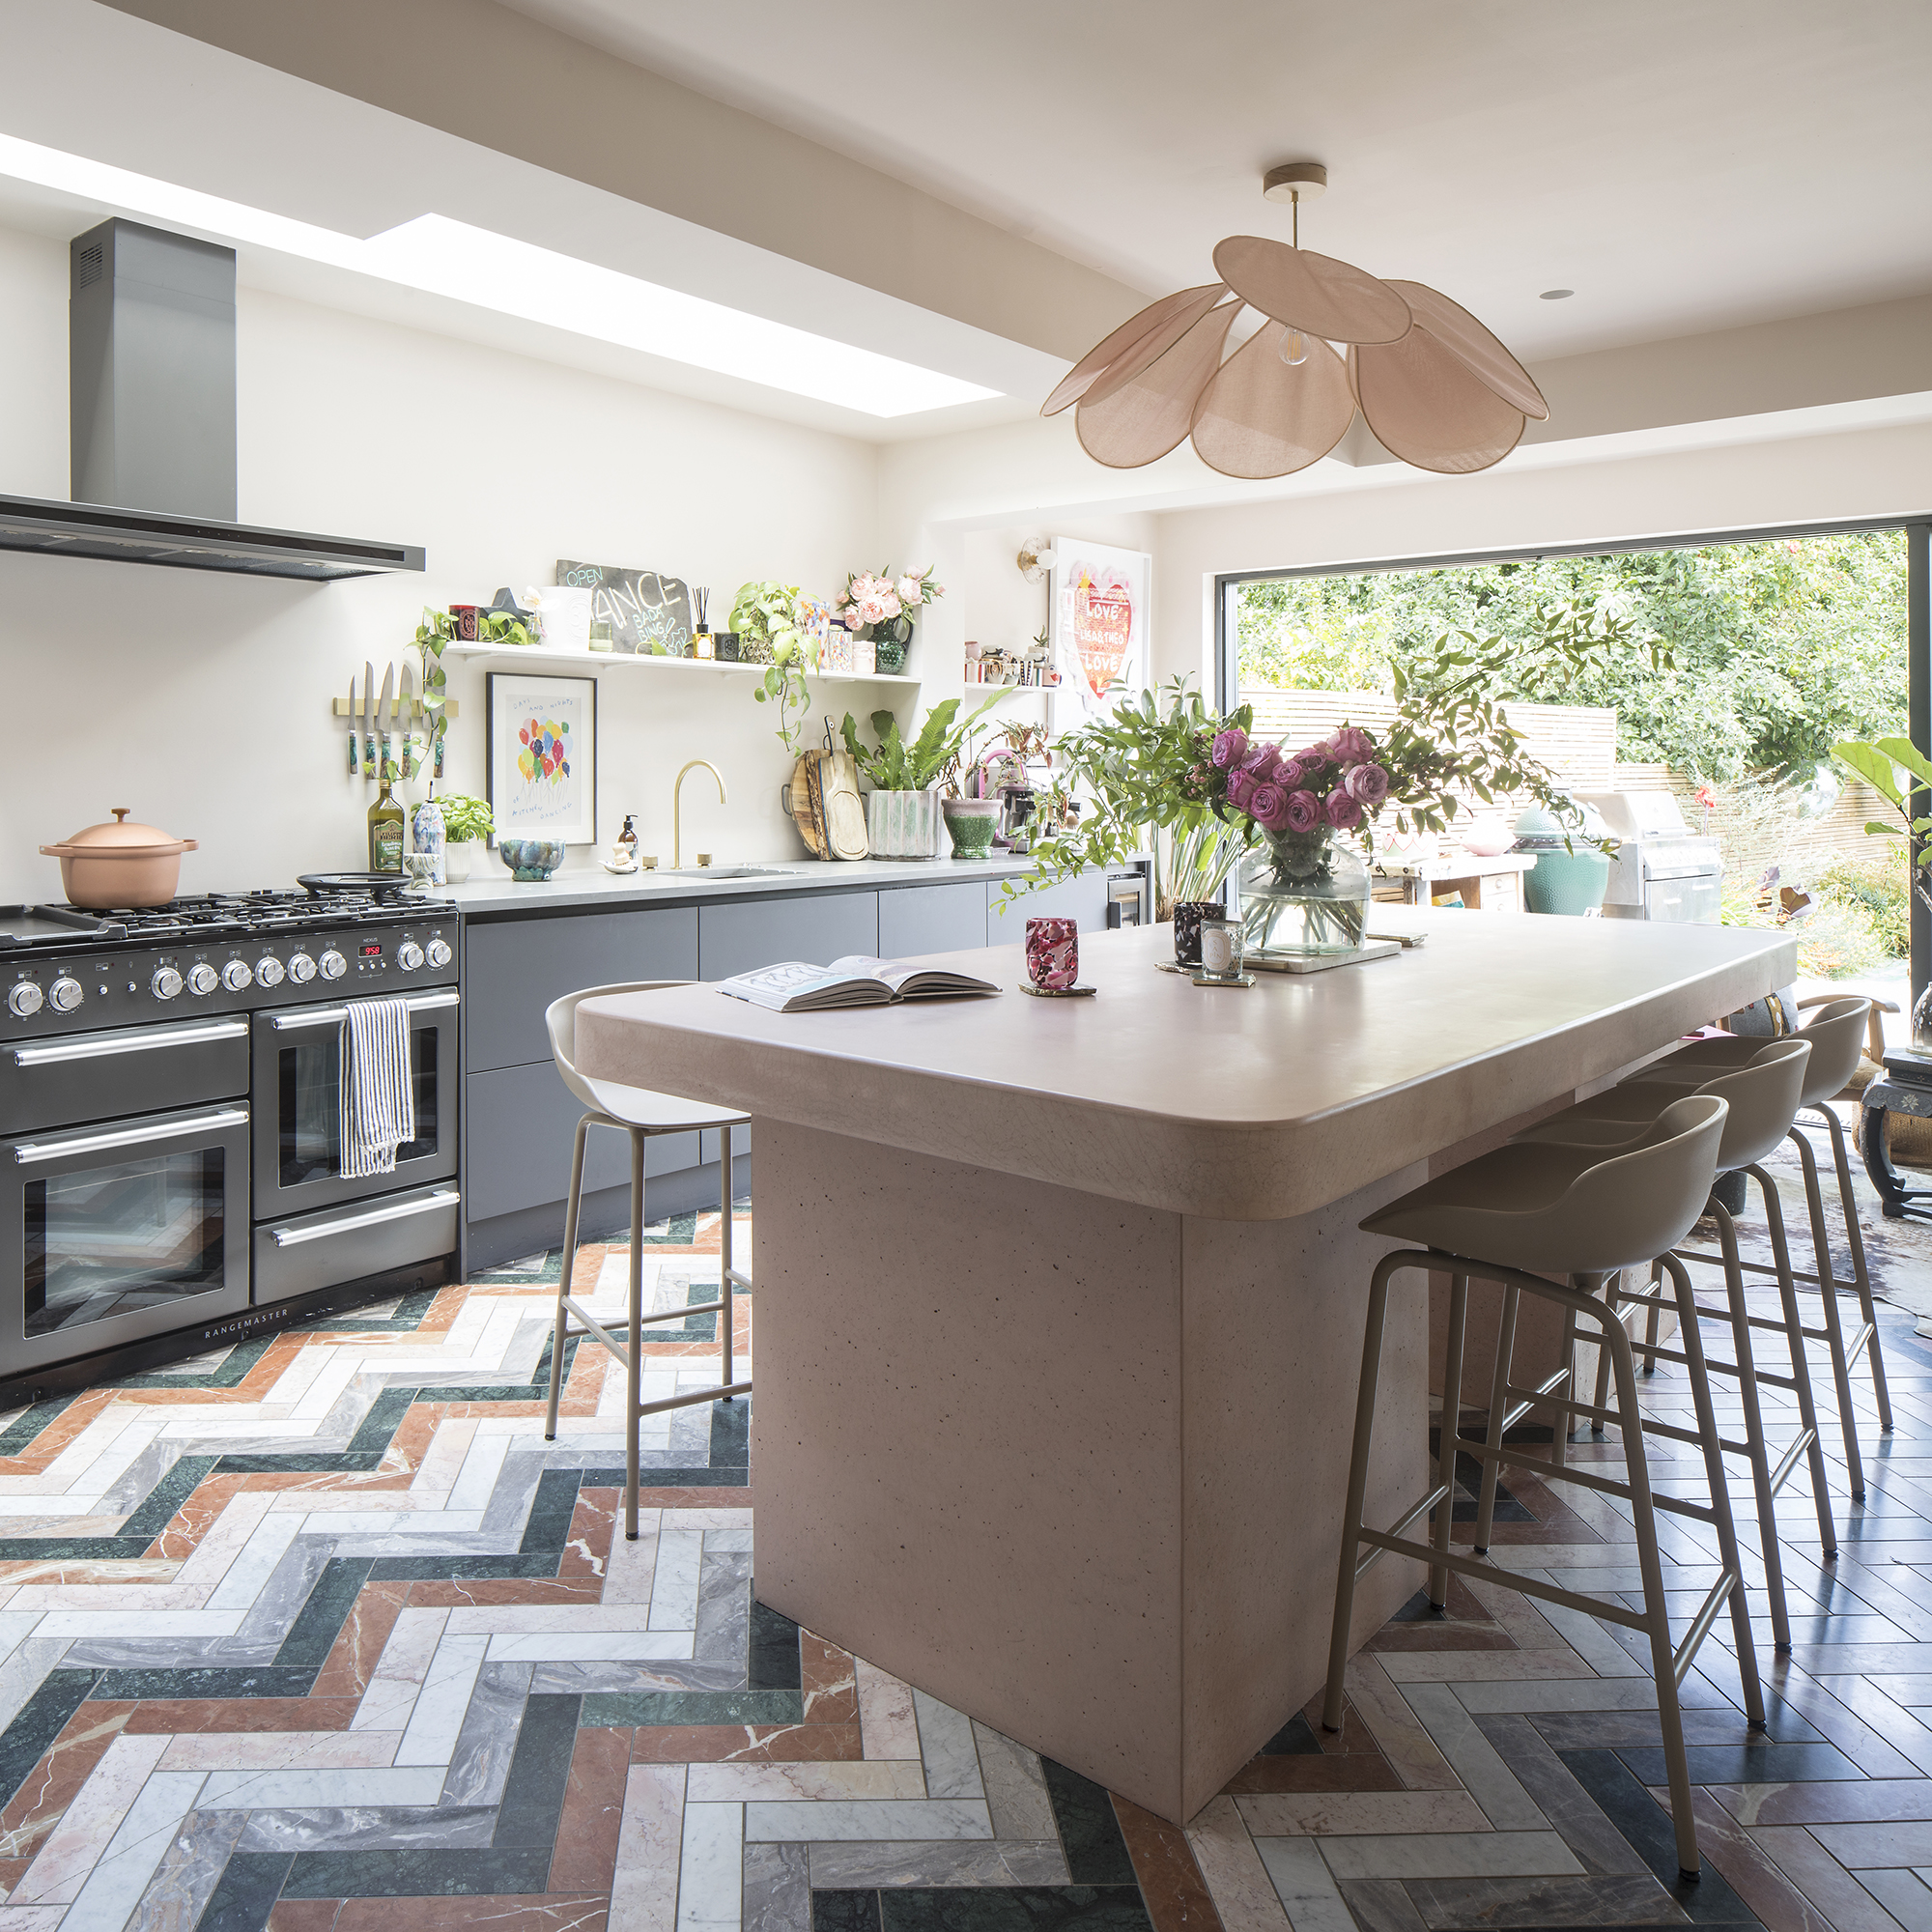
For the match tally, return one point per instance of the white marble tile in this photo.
(1303, 1888)
(946, 1746)
(1016, 1792)
(477, 1482)
(223, 1541)
(711, 1868)
(675, 1592)
(922, 1818)
(1446, 1854)
(279, 1750)
(115, 1885)
(443, 1461)
(887, 1726)
(587, 1646)
(532, 1619)
(61, 1865)
(438, 1717)
(1247, 1894)
(631, 1569)
(734, 1784)
(303, 1788)
(31, 1918)
(78, 1625)
(391, 1692)
(241, 1583)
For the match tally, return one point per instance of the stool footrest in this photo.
(1700, 1626)
(592, 1327)
(1803, 1280)
(1540, 1393)
(1401, 1523)
(1530, 1586)
(738, 1280)
(694, 1397)
(1788, 1462)
(1563, 1472)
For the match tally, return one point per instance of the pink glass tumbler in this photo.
(1052, 953)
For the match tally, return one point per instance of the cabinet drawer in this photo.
(739, 935)
(1083, 898)
(914, 920)
(515, 968)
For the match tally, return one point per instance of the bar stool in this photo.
(1836, 1033)
(1762, 1098)
(1514, 1216)
(642, 1115)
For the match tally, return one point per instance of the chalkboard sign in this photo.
(648, 612)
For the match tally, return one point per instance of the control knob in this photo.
(333, 965)
(438, 953)
(268, 972)
(408, 955)
(24, 1000)
(302, 968)
(235, 975)
(165, 984)
(64, 994)
(201, 978)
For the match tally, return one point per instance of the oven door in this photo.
(297, 1102)
(123, 1230)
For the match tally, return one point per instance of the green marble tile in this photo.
(692, 1707)
(417, 1874)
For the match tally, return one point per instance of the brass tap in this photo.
(677, 807)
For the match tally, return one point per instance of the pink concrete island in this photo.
(1059, 1309)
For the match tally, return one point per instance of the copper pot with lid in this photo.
(120, 865)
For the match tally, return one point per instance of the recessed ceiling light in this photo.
(441, 256)
(1557, 295)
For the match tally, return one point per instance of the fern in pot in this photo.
(465, 821)
(904, 810)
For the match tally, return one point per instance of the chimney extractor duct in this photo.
(151, 342)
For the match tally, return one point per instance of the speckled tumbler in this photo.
(1187, 917)
(1052, 953)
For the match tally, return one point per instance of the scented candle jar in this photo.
(1220, 948)
(1052, 953)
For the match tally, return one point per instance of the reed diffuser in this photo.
(702, 645)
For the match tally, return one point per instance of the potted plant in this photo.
(465, 820)
(903, 812)
(881, 607)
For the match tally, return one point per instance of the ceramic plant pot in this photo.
(458, 856)
(971, 822)
(904, 824)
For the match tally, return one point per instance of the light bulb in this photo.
(1293, 349)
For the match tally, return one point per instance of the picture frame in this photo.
(540, 771)
(1100, 615)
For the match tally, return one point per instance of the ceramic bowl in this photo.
(530, 859)
(1487, 842)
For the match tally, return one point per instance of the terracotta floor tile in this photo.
(352, 1658)
(594, 1810)
(1172, 1887)
(749, 1743)
(829, 1681)
(517, 1912)
(242, 1714)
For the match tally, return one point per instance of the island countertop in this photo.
(1255, 1105)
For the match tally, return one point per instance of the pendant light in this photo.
(1436, 389)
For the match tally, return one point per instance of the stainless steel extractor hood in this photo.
(151, 348)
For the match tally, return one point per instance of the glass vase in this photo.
(1305, 894)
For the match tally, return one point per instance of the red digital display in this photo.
(371, 952)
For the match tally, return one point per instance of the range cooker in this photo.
(170, 1092)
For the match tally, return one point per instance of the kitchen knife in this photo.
(405, 709)
(382, 715)
(354, 743)
(368, 718)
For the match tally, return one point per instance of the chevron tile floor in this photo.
(318, 1634)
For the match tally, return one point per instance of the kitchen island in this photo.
(1060, 1302)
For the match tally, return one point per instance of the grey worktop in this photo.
(587, 889)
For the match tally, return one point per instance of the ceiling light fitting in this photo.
(1557, 295)
(1436, 389)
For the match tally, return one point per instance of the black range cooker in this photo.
(170, 1104)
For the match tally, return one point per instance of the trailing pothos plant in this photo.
(765, 619)
(898, 766)
(1901, 775)
(436, 629)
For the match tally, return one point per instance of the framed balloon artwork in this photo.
(1099, 622)
(543, 757)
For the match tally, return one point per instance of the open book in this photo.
(796, 987)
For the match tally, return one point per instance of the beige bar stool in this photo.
(1762, 1098)
(642, 1115)
(1836, 1033)
(1514, 1216)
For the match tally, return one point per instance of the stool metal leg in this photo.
(1760, 1460)
(725, 1249)
(1800, 1365)
(1860, 1273)
(1452, 1427)
(1827, 1294)
(1486, 1507)
(635, 1362)
(1358, 1489)
(565, 1265)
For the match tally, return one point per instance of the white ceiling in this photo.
(1683, 164)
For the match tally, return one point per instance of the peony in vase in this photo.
(1303, 895)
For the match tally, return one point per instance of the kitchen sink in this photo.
(731, 871)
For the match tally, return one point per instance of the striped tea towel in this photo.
(378, 1109)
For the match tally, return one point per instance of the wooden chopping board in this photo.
(844, 811)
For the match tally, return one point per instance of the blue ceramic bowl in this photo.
(530, 859)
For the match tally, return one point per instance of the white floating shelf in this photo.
(605, 659)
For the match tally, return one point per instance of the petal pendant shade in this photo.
(1131, 347)
(1261, 417)
(1436, 388)
(1472, 344)
(1425, 406)
(1313, 293)
(1151, 413)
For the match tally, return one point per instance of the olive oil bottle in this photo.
(386, 820)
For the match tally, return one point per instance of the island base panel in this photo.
(1073, 1465)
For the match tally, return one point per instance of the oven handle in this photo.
(293, 1238)
(103, 1046)
(316, 1017)
(28, 1152)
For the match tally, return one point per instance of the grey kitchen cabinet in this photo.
(522, 1126)
(738, 935)
(515, 968)
(1083, 898)
(931, 919)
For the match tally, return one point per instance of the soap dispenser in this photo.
(628, 837)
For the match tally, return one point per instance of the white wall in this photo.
(202, 701)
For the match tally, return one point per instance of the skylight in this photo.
(444, 257)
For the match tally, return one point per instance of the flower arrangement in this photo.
(1334, 785)
(881, 607)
